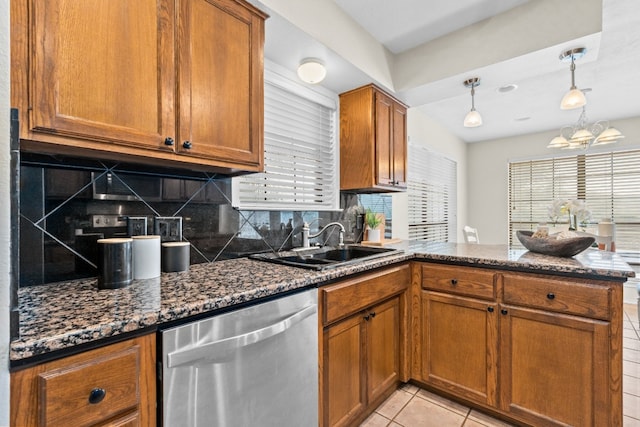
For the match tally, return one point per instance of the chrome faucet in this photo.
(306, 236)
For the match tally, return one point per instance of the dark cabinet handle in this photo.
(551, 295)
(454, 282)
(366, 317)
(372, 314)
(187, 145)
(168, 141)
(96, 395)
(504, 311)
(490, 309)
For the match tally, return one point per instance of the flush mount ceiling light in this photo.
(575, 97)
(473, 118)
(312, 70)
(582, 135)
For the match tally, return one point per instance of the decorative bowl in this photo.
(555, 247)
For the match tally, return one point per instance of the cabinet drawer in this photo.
(571, 296)
(467, 281)
(65, 392)
(352, 295)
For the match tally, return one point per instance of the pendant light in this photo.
(473, 118)
(575, 97)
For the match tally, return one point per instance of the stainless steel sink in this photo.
(326, 257)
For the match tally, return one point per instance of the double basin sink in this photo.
(326, 257)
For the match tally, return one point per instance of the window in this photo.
(300, 151)
(379, 203)
(431, 187)
(609, 183)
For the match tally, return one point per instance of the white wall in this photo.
(4, 213)
(421, 129)
(488, 174)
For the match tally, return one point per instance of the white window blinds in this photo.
(431, 187)
(300, 152)
(609, 183)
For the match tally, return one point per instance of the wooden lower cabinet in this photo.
(555, 368)
(460, 346)
(363, 344)
(544, 351)
(113, 385)
(382, 333)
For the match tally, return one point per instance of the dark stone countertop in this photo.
(63, 315)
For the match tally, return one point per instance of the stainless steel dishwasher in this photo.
(256, 366)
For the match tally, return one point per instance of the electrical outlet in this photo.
(105, 221)
(137, 225)
(169, 228)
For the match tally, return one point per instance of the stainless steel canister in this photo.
(115, 263)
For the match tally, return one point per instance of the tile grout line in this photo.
(413, 395)
(444, 407)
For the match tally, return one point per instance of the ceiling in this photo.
(424, 50)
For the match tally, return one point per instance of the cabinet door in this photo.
(554, 368)
(399, 146)
(460, 346)
(382, 347)
(384, 138)
(102, 71)
(220, 46)
(344, 394)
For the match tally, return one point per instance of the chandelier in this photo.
(582, 135)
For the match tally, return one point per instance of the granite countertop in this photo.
(63, 315)
(591, 262)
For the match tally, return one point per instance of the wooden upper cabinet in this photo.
(171, 83)
(221, 87)
(373, 141)
(108, 79)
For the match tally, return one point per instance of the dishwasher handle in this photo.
(208, 351)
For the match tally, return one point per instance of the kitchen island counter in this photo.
(55, 318)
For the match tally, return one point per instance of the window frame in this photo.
(596, 176)
(283, 79)
(431, 169)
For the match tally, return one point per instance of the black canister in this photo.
(175, 256)
(115, 263)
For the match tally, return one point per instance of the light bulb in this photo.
(472, 119)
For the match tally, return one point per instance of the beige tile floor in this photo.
(411, 406)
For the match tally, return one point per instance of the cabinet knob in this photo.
(372, 314)
(490, 309)
(551, 295)
(454, 282)
(96, 395)
(168, 141)
(504, 311)
(187, 145)
(366, 317)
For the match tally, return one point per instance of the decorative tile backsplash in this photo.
(67, 204)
